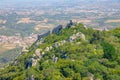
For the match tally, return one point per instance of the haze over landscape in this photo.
(37, 36)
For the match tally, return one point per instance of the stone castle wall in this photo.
(56, 30)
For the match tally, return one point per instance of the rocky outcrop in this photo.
(32, 77)
(57, 44)
(34, 61)
(76, 36)
(39, 53)
(55, 59)
(48, 48)
(35, 58)
(91, 76)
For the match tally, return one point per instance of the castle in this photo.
(56, 30)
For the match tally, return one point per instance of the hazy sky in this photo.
(17, 3)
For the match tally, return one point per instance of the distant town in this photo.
(11, 42)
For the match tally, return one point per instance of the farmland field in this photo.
(112, 21)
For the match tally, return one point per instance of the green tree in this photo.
(97, 37)
(109, 51)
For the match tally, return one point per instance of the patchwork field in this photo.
(84, 21)
(6, 56)
(6, 47)
(112, 21)
(3, 21)
(2, 50)
(43, 26)
(25, 20)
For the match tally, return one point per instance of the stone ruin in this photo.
(70, 24)
(57, 29)
(40, 36)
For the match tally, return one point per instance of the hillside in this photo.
(71, 53)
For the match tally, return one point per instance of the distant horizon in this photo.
(18, 3)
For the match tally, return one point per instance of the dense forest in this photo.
(76, 53)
